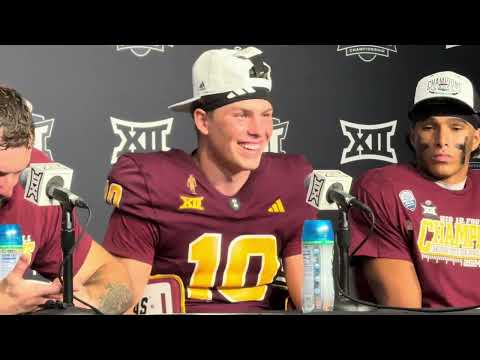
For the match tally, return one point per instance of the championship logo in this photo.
(408, 200)
(368, 53)
(143, 50)
(444, 85)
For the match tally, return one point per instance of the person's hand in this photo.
(21, 296)
(79, 291)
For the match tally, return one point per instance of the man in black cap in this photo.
(425, 247)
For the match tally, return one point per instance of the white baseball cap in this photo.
(224, 76)
(445, 90)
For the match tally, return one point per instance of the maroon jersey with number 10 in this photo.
(226, 250)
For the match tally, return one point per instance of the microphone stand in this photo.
(343, 240)
(68, 241)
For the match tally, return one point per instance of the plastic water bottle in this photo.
(318, 286)
(11, 246)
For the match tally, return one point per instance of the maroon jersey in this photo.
(226, 250)
(436, 229)
(41, 229)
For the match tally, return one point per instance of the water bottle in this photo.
(318, 286)
(11, 246)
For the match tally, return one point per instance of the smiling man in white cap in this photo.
(226, 217)
(425, 248)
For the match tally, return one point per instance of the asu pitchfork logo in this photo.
(368, 142)
(143, 50)
(140, 136)
(43, 131)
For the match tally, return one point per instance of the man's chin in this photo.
(251, 164)
(440, 175)
(241, 167)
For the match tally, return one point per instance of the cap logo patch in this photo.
(444, 86)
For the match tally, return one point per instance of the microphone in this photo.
(328, 190)
(48, 184)
(343, 199)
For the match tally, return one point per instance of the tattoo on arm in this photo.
(116, 300)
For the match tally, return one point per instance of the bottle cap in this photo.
(318, 232)
(10, 236)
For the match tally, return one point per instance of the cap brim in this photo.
(183, 106)
(459, 105)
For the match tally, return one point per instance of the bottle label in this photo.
(318, 287)
(308, 298)
(8, 259)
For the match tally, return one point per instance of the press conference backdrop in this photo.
(342, 106)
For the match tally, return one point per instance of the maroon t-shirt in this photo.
(436, 229)
(42, 226)
(170, 216)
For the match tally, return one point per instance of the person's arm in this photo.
(132, 234)
(293, 266)
(393, 282)
(104, 282)
(140, 272)
(386, 259)
(292, 256)
(18, 295)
